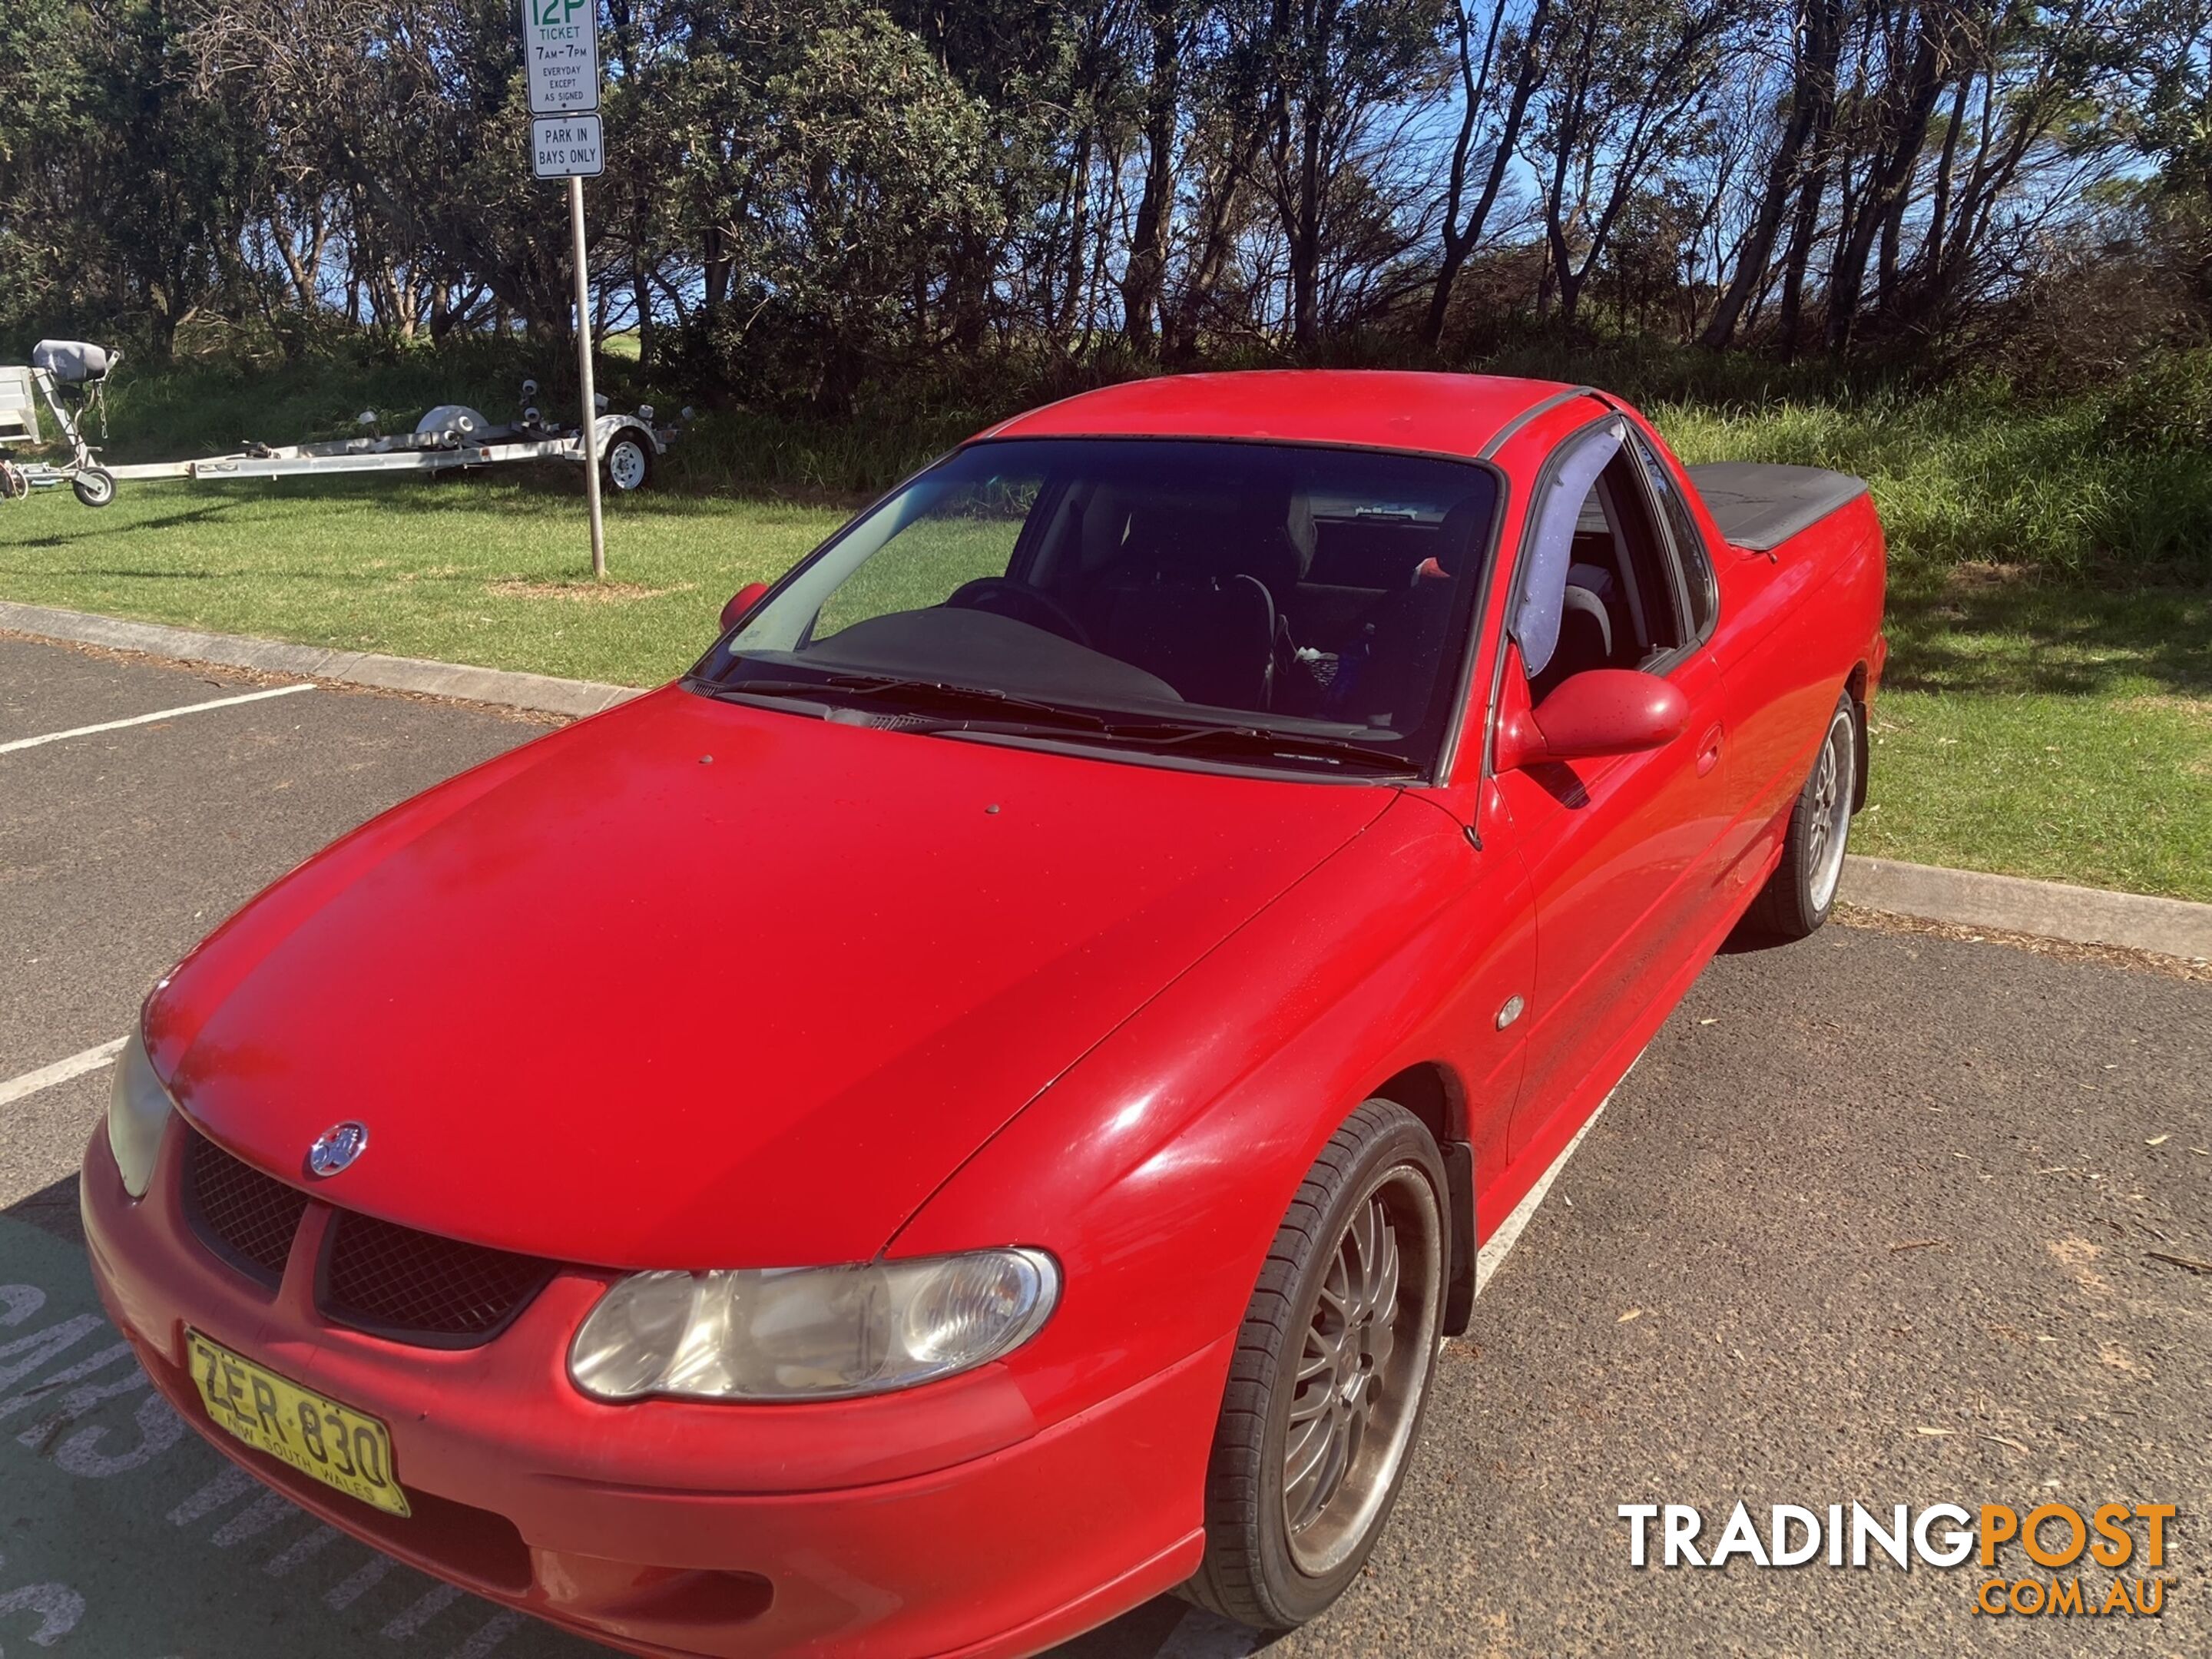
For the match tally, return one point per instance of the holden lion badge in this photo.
(337, 1148)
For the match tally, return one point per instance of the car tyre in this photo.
(1801, 894)
(94, 486)
(1331, 1373)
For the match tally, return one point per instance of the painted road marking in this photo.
(17, 1088)
(92, 1461)
(1202, 1635)
(1492, 1256)
(10, 748)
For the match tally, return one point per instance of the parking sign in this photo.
(561, 52)
(566, 147)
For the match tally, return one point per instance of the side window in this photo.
(1616, 601)
(1693, 566)
(1559, 520)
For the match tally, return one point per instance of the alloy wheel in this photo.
(1362, 1369)
(1828, 810)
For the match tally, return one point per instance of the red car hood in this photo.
(608, 999)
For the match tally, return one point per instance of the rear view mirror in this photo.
(1600, 711)
(741, 604)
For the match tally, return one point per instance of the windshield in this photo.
(1292, 605)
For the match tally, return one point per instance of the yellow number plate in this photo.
(338, 1445)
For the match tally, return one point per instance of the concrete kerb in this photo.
(2048, 910)
(507, 687)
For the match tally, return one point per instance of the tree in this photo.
(1339, 74)
(1809, 111)
(806, 199)
(1624, 79)
(1520, 50)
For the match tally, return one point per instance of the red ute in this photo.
(974, 1106)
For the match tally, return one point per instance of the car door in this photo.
(1621, 851)
(1746, 715)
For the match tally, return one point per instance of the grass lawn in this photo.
(2029, 726)
(2048, 708)
(494, 569)
(2046, 732)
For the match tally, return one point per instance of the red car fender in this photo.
(1796, 631)
(1159, 1167)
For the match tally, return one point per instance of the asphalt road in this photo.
(1877, 1219)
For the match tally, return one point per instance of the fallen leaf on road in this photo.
(1633, 1313)
(1934, 1434)
(2157, 1140)
(2188, 1263)
(2000, 1440)
(1915, 1244)
(1708, 1022)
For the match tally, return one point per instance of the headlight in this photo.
(810, 1333)
(138, 1109)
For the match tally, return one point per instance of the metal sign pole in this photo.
(591, 427)
(560, 61)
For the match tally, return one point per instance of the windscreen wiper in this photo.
(931, 694)
(1261, 744)
(1232, 741)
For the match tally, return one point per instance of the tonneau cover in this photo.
(1761, 506)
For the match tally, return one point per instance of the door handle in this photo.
(1709, 751)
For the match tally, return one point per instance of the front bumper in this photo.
(942, 1521)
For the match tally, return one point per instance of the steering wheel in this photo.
(1002, 596)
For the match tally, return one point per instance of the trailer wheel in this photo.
(627, 464)
(94, 486)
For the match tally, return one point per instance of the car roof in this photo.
(1443, 414)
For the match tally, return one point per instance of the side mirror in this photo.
(741, 604)
(1600, 711)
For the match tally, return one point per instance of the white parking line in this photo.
(17, 1088)
(146, 720)
(1202, 1635)
(1491, 1256)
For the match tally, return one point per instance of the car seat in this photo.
(1182, 600)
(1585, 628)
(1389, 673)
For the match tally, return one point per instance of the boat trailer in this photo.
(70, 378)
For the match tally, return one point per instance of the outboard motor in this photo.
(74, 362)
